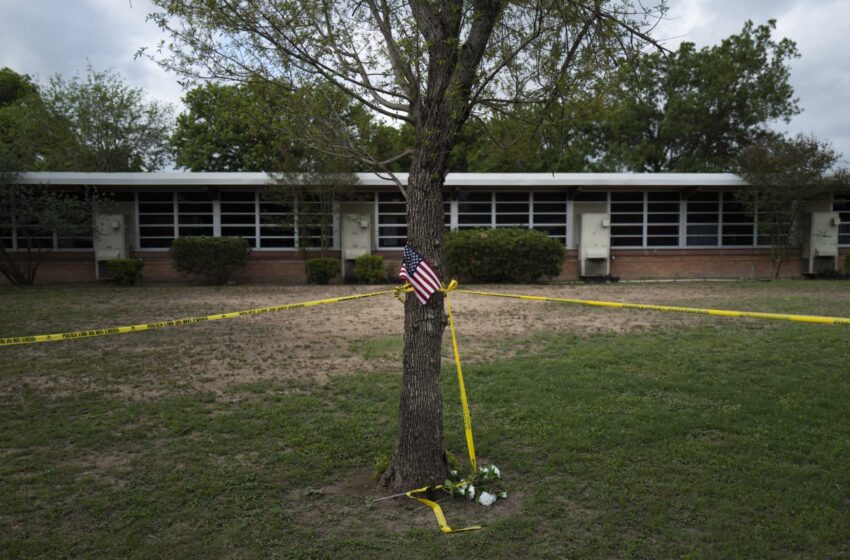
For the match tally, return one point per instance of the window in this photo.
(627, 219)
(277, 225)
(512, 210)
(16, 234)
(842, 206)
(549, 214)
(194, 214)
(239, 216)
(156, 219)
(315, 222)
(543, 211)
(474, 210)
(7, 228)
(703, 217)
(74, 243)
(662, 219)
(738, 226)
(644, 219)
(717, 220)
(392, 218)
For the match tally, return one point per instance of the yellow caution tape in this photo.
(467, 420)
(697, 310)
(177, 322)
(438, 511)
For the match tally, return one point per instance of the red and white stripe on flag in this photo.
(416, 270)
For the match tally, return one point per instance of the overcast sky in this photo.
(45, 37)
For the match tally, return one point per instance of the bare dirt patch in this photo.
(309, 344)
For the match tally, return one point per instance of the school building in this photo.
(632, 226)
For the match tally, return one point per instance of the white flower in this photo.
(486, 499)
(470, 492)
(490, 471)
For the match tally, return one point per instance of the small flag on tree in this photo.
(416, 270)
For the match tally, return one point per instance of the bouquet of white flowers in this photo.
(485, 485)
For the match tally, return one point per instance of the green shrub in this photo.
(125, 271)
(321, 270)
(847, 264)
(214, 258)
(502, 255)
(369, 269)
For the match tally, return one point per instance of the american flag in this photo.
(418, 272)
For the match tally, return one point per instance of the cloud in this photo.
(821, 76)
(46, 38)
(43, 37)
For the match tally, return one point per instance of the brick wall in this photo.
(288, 266)
(285, 267)
(703, 263)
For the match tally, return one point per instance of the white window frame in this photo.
(842, 199)
(454, 216)
(217, 225)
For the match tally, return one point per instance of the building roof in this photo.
(177, 178)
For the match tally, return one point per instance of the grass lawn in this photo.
(688, 437)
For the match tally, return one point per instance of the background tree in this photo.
(260, 127)
(37, 213)
(429, 64)
(115, 126)
(99, 124)
(694, 110)
(236, 128)
(560, 137)
(32, 137)
(783, 177)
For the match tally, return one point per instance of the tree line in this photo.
(690, 110)
(707, 109)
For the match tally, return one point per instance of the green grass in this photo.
(727, 439)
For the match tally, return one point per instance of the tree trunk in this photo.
(419, 457)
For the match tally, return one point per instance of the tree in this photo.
(557, 138)
(37, 214)
(116, 127)
(33, 138)
(14, 86)
(694, 110)
(783, 177)
(430, 64)
(236, 128)
(260, 127)
(97, 125)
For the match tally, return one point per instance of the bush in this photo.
(214, 258)
(125, 271)
(321, 270)
(847, 265)
(502, 255)
(369, 269)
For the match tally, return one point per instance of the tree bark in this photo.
(419, 457)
